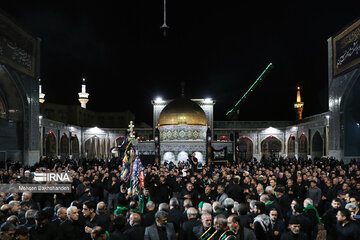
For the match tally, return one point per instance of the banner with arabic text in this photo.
(346, 49)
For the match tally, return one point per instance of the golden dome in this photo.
(182, 112)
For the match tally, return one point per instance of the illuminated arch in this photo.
(271, 147)
(291, 146)
(303, 146)
(75, 147)
(245, 148)
(169, 157)
(64, 146)
(50, 145)
(317, 146)
(182, 156)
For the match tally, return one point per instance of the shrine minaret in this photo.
(299, 105)
(83, 95)
(41, 94)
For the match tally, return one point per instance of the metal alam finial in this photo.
(164, 26)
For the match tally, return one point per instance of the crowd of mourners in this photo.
(270, 199)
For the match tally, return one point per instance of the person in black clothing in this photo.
(262, 222)
(98, 188)
(278, 225)
(187, 226)
(194, 162)
(336, 184)
(98, 233)
(190, 193)
(124, 197)
(281, 180)
(228, 205)
(114, 189)
(22, 233)
(134, 206)
(79, 207)
(283, 200)
(162, 190)
(294, 233)
(150, 179)
(91, 218)
(177, 186)
(171, 180)
(214, 183)
(291, 189)
(300, 186)
(241, 232)
(304, 221)
(245, 219)
(175, 215)
(84, 191)
(136, 231)
(222, 229)
(49, 213)
(208, 195)
(198, 185)
(204, 230)
(149, 217)
(30, 218)
(7, 230)
(311, 212)
(60, 216)
(26, 198)
(235, 191)
(71, 228)
(330, 221)
(346, 228)
(103, 219)
(270, 205)
(105, 183)
(291, 211)
(43, 230)
(117, 226)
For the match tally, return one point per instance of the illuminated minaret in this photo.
(83, 95)
(299, 105)
(41, 95)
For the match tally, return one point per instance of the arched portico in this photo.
(64, 146)
(50, 145)
(317, 146)
(291, 146)
(245, 148)
(75, 147)
(303, 146)
(270, 147)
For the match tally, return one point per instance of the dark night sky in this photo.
(218, 48)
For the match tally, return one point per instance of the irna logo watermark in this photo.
(49, 177)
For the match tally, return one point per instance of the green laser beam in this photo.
(250, 89)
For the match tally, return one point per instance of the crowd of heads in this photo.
(232, 199)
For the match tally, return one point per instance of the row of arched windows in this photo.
(271, 146)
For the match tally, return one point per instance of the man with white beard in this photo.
(294, 233)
